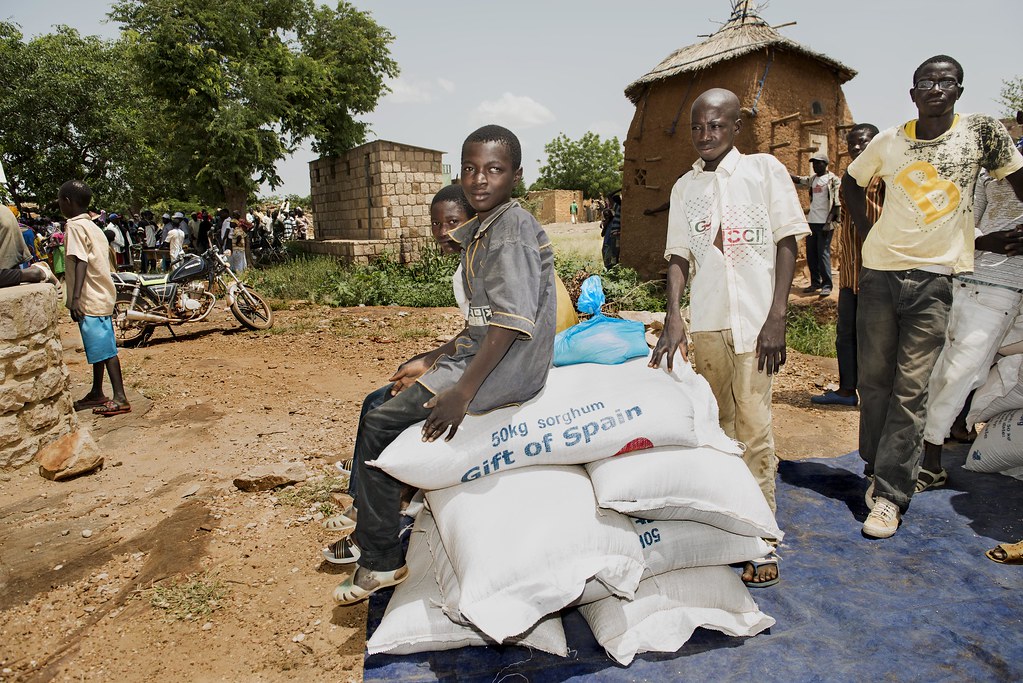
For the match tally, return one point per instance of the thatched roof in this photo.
(743, 33)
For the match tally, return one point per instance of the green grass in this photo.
(317, 493)
(806, 334)
(191, 598)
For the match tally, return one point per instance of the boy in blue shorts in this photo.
(90, 298)
(501, 358)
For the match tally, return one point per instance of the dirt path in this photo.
(207, 406)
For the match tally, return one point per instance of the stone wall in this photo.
(555, 205)
(35, 405)
(374, 199)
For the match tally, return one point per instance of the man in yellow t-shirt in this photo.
(90, 298)
(923, 236)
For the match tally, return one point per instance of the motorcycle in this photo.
(187, 294)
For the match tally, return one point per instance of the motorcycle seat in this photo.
(131, 278)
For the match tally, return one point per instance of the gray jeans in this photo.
(900, 328)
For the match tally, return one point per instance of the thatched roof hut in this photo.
(792, 105)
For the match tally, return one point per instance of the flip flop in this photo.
(342, 552)
(1013, 553)
(757, 564)
(86, 403)
(109, 409)
(930, 480)
(348, 593)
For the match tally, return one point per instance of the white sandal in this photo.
(348, 593)
(339, 523)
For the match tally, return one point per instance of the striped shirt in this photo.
(849, 244)
(996, 208)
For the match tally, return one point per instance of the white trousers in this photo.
(980, 318)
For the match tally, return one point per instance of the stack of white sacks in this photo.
(614, 490)
(999, 403)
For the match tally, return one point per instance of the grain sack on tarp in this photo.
(523, 543)
(669, 545)
(999, 446)
(697, 484)
(585, 413)
(668, 608)
(414, 620)
(1001, 392)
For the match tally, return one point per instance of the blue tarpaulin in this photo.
(923, 605)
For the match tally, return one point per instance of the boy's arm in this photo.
(673, 336)
(80, 268)
(416, 366)
(771, 342)
(449, 407)
(835, 188)
(856, 205)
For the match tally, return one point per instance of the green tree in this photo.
(588, 164)
(242, 83)
(1011, 96)
(520, 189)
(75, 110)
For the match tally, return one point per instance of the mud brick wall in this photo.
(35, 405)
(556, 205)
(376, 196)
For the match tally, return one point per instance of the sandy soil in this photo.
(207, 406)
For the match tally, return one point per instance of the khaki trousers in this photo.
(744, 402)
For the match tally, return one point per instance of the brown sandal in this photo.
(1013, 553)
(109, 409)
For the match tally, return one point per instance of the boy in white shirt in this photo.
(736, 218)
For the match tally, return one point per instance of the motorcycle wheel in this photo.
(130, 333)
(252, 311)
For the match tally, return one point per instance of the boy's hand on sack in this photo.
(673, 336)
(407, 374)
(449, 409)
(771, 345)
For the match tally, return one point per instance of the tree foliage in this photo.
(79, 113)
(1011, 96)
(241, 84)
(588, 164)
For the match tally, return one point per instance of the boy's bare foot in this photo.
(761, 574)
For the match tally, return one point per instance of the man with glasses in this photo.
(924, 235)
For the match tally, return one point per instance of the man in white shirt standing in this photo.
(824, 205)
(736, 219)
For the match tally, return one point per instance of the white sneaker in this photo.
(883, 520)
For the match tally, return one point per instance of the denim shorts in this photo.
(98, 338)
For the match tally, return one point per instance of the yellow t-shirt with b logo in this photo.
(927, 218)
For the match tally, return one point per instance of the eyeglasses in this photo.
(946, 84)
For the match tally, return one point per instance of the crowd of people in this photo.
(146, 243)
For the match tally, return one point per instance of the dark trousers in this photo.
(379, 494)
(818, 254)
(900, 329)
(10, 277)
(845, 339)
(372, 400)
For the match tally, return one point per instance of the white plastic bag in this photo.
(999, 446)
(414, 620)
(668, 608)
(698, 484)
(585, 413)
(523, 543)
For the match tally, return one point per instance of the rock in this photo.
(190, 491)
(86, 533)
(342, 499)
(208, 626)
(266, 477)
(298, 638)
(69, 456)
(653, 320)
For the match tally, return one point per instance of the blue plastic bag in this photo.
(602, 340)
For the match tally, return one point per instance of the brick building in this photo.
(372, 200)
(555, 206)
(792, 105)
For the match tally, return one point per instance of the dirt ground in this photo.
(78, 559)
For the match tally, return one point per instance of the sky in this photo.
(544, 67)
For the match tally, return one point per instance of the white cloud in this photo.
(514, 111)
(408, 91)
(446, 85)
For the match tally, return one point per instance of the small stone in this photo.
(298, 638)
(65, 532)
(190, 491)
(117, 463)
(58, 567)
(208, 626)
(86, 533)
(266, 477)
